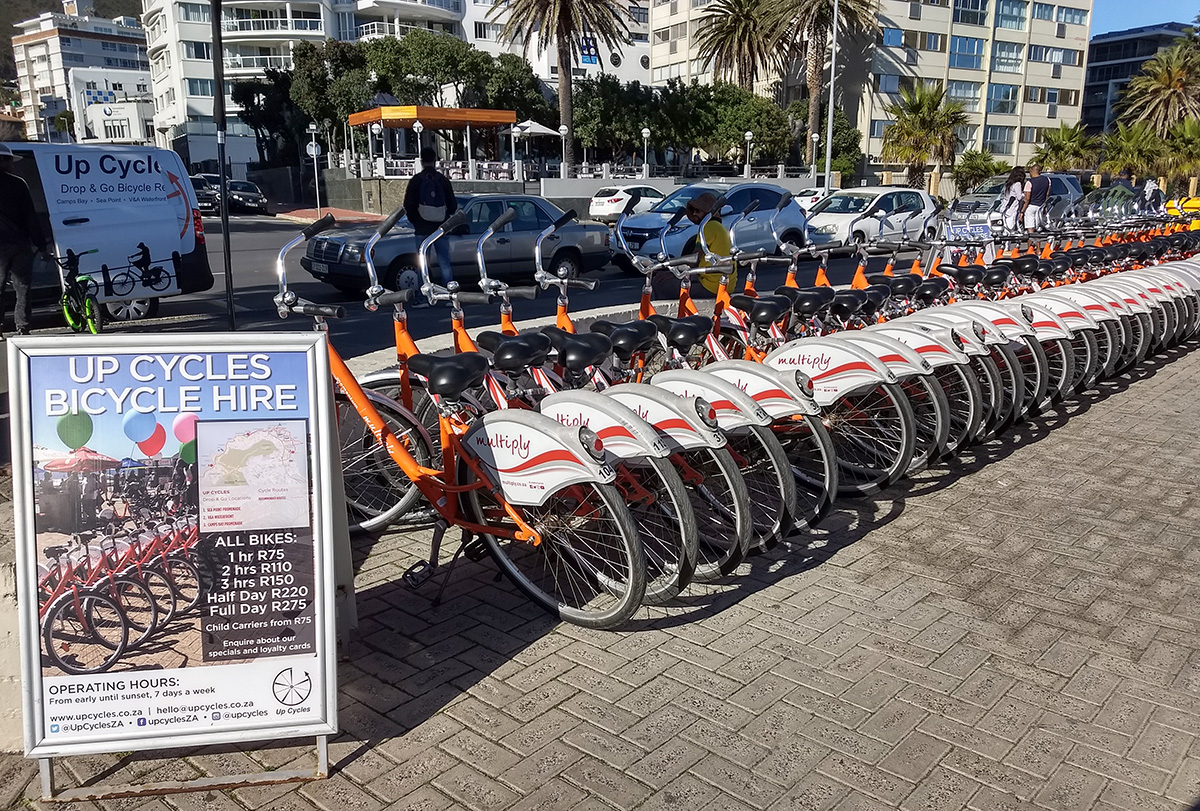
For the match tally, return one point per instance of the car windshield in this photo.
(681, 198)
(607, 191)
(199, 183)
(843, 204)
(993, 185)
(808, 192)
(242, 185)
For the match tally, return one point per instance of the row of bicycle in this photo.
(609, 469)
(108, 594)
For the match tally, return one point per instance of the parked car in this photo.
(208, 196)
(608, 202)
(838, 221)
(807, 198)
(245, 196)
(751, 233)
(336, 256)
(983, 203)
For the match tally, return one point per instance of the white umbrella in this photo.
(532, 127)
(41, 455)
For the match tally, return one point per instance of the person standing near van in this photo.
(1037, 191)
(20, 235)
(1013, 199)
(429, 201)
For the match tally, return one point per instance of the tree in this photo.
(389, 60)
(561, 23)
(1166, 90)
(973, 167)
(65, 122)
(805, 28)
(1133, 147)
(847, 151)
(609, 116)
(310, 81)
(739, 112)
(512, 85)
(681, 115)
(1183, 148)
(1068, 147)
(736, 37)
(923, 129)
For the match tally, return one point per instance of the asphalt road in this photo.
(256, 240)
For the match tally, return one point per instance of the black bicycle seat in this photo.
(450, 375)
(683, 333)
(1025, 264)
(879, 278)
(809, 302)
(947, 269)
(1097, 256)
(54, 552)
(629, 338)
(789, 293)
(996, 276)
(847, 302)
(1044, 270)
(969, 276)
(929, 290)
(577, 353)
(761, 311)
(904, 284)
(1078, 256)
(515, 353)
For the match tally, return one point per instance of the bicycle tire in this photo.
(810, 454)
(1107, 338)
(721, 503)
(92, 316)
(73, 319)
(166, 600)
(1131, 340)
(665, 522)
(1035, 371)
(1013, 378)
(423, 406)
(964, 404)
(874, 436)
(1060, 367)
(122, 284)
(137, 604)
(377, 490)
(604, 587)
(186, 582)
(1158, 327)
(931, 415)
(1086, 348)
(162, 281)
(77, 648)
(769, 483)
(987, 375)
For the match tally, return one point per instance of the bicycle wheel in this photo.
(931, 414)
(71, 314)
(377, 490)
(1035, 371)
(423, 406)
(721, 503)
(1107, 338)
(123, 284)
(92, 316)
(138, 606)
(1132, 338)
(964, 404)
(666, 524)
(165, 599)
(1012, 384)
(769, 482)
(874, 437)
(589, 568)
(159, 281)
(1086, 350)
(186, 582)
(1060, 364)
(85, 634)
(810, 453)
(991, 386)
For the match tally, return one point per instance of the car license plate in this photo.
(320, 267)
(636, 244)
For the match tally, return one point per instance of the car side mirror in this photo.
(877, 213)
(726, 210)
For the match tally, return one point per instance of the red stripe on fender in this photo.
(1071, 314)
(724, 405)
(933, 348)
(614, 430)
(893, 359)
(1049, 324)
(855, 366)
(769, 393)
(674, 422)
(541, 459)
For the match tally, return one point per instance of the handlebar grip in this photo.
(690, 259)
(523, 292)
(750, 208)
(564, 219)
(396, 297)
(676, 217)
(749, 256)
(474, 298)
(454, 221)
(784, 201)
(631, 203)
(317, 227)
(504, 219)
(325, 310)
(585, 284)
(390, 222)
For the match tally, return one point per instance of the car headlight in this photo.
(827, 229)
(353, 254)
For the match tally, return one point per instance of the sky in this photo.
(1116, 15)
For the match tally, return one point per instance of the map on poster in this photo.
(252, 476)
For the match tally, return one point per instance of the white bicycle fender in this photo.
(1095, 305)
(935, 343)
(677, 419)
(1075, 316)
(775, 390)
(974, 329)
(625, 435)
(1188, 270)
(529, 456)
(1125, 292)
(836, 367)
(735, 408)
(900, 359)
(1010, 325)
(1045, 324)
(1110, 296)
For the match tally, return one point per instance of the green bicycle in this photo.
(79, 304)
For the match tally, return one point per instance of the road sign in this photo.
(314, 149)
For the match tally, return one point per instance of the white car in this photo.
(608, 203)
(846, 218)
(807, 198)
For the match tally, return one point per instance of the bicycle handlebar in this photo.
(320, 225)
(321, 310)
(474, 298)
(389, 223)
(564, 219)
(395, 297)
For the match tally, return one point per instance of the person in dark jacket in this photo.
(20, 235)
(428, 202)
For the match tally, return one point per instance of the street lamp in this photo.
(314, 150)
(816, 137)
(833, 31)
(376, 131)
(749, 143)
(563, 171)
(645, 152)
(418, 128)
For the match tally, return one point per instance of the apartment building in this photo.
(1113, 58)
(111, 105)
(52, 45)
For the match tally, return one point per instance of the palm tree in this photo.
(1068, 147)
(1183, 148)
(808, 22)
(1166, 90)
(924, 129)
(1134, 147)
(735, 36)
(975, 166)
(562, 23)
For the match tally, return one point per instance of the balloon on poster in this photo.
(152, 446)
(187, 452)
(139, 426)
(75, 429)
(184, 427)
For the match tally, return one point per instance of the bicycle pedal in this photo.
(476, 550)
(418, 574)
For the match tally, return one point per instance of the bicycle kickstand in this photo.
(422, 571)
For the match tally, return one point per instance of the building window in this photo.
(65, 42)
(891, 37)
(1074, 16)
(640, 14)
(197, 50)
(89, 85)
(998, 140)
(966, 136)
(662, 35)
(887, 83)
(965, 93)
(1034, 94)
(638, 36)
(1055, 56)
(116, 130)
(1031, 135)
(1011, 14)
(77, 58)
(108, 46)
(966, 52)
(1002, 98)
(142, 88)
(487, 31)
(879, 126)
(932, 42)
(973, 12)
(194, 13)
(1006, 57)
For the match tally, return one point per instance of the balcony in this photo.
(257, 63)
(272, 25)
(435, 10)
(376, 30)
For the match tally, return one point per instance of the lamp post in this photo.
(376, 131)
(816, 138)
(749, 144)
(564, 170)
(645, 152)
(314, 149)
(418, 128)
(829, 117)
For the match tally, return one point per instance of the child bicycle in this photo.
(79, 304)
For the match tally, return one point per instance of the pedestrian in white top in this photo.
(1014, 198)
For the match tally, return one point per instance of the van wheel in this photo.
(133, 309)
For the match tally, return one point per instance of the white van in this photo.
(105, 202)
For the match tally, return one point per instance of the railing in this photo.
(258, 62)
(380, 29)
(272, 24)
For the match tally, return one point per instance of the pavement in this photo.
(342, 215)
(1019, 631)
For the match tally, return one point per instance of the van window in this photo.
(1057, 186)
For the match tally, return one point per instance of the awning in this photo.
(440, 118)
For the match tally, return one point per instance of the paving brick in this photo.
(1009, 719)
(535, 769)
(738, 781)
(597, 743)
(550, 796)
(790, 761)
(973, 740)
(666, 762)
(1124, 714)
(474, 789)
(869, 780)
(470, 747)
(1070, 788)
(942, 790)
(604, 782)
(992, 773)
(1124, 797)
(814, 793)
(1185, 786)
(716, 738)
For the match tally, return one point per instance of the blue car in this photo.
(751, 233)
